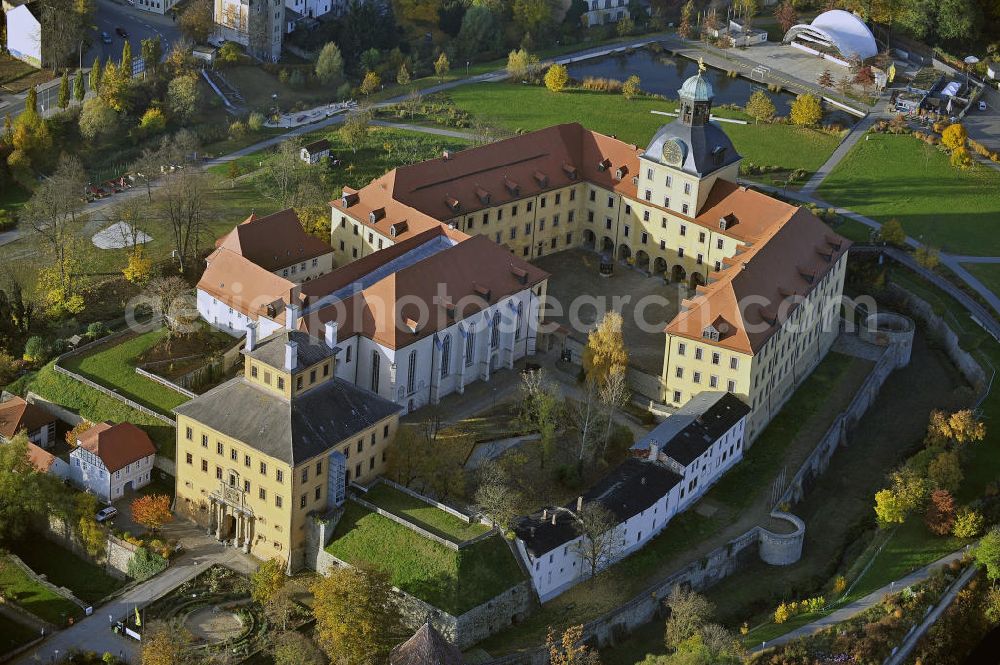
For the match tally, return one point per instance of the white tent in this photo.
(837, 29)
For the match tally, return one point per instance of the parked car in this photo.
(121, 33)
(104, 514)
(105, 37)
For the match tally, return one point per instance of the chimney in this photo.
(251, 336)
(291, 356)
(291, 316)
(545, 514)
(654, 451)
(579, 503)
(331, 333)
(553, 518)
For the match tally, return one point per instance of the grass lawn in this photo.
(987, 273)
(13, 634)
(452, 581)
(362, 162)
(113, 367)
(899, 177)
(63, 568)
(17, 587)
(423, 514)
(522, 107)
(93, 405)
(768, 451)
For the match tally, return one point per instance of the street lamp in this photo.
(969, 62)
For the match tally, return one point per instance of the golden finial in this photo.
(701, 64)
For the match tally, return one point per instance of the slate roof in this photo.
(317, 146)
(17, 414)
(686, 435)
(700, 144)
(117, 445)
(426, 647)
(293, 430)
(271, 349)
(629, 489)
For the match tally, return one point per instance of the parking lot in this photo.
(646, 303)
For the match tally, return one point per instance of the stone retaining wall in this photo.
(43, 580)
(118, 553)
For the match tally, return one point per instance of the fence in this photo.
(450, 544)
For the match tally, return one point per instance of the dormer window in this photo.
(397, 228)
(621, 172)
(570, 170)
(727, 221)
(411, 325)
(710, 333)
(520, 274)
(376, 214)
(452, 203)
(484, 196)
(511, 186)
(541, 179)
(604, 165)
(482, 291)
(349, 198)
(719, 154)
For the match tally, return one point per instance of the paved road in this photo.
(137, 23)
(438, 131)
(94, 633)
(862, 604)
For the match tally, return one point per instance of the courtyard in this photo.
(646, 303)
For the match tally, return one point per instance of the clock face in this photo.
(673, 152)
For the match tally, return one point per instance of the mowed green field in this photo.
(113, 366)
(63, 568)
(452, 581)
(423, 514)
(523, 107)
(17, 587)
(899, 177)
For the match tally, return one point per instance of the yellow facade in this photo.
(260, 502)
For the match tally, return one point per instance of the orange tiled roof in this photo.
(117, 445)
(243, 285)
(273, 242)
(16, 414)
(789, 260)
(40, 458)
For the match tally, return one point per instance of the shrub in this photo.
(940, 514)
(36, 350)
(630, 89)
(237, 129)
(969, 523)
(144, 564)
(556, 78)
(601, 84)
(255, 121)
(782, 613)
(96, 330)
(8, 368)
(806, 111)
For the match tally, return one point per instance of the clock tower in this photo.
(686, 156)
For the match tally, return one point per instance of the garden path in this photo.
(845, 146)
(862, 604)
(93, 633)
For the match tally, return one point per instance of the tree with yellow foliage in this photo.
(960, 427)
(357, 620)
(630, 88)
(605, 351)
(164, 644)
(954, 136)
(569, 648)
(556, 78)
(370, 84)
(139, 268)
(806, 111)
(441, 66)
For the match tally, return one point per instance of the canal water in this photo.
(663, 74)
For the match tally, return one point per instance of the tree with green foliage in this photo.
(78, 89)
(760, 107)
(481, 32)
(183, 96)
(540, 410)
(125, 65)
(532, 15)
(151, 51)
(630, 88)
(95, 75)
(25, 494)
(63, 102)
(987, 553)
(92, 533)
(357, 619)
(945, 471)
(97, 119)
(293, 648)
(354, 130)
(807, 111)
(330, 65)
(267, 581)
(556, 78)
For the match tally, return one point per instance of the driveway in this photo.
(984, 126)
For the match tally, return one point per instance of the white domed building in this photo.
(836, 35)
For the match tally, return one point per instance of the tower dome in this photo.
(696, 89)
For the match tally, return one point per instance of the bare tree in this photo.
(280, 178)
(540, 409)
(52, 209)
(599, 542)
(129, 211)
(497, 497)
(172, 299)
(614, 395)
(585, 418)
(183, 202)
